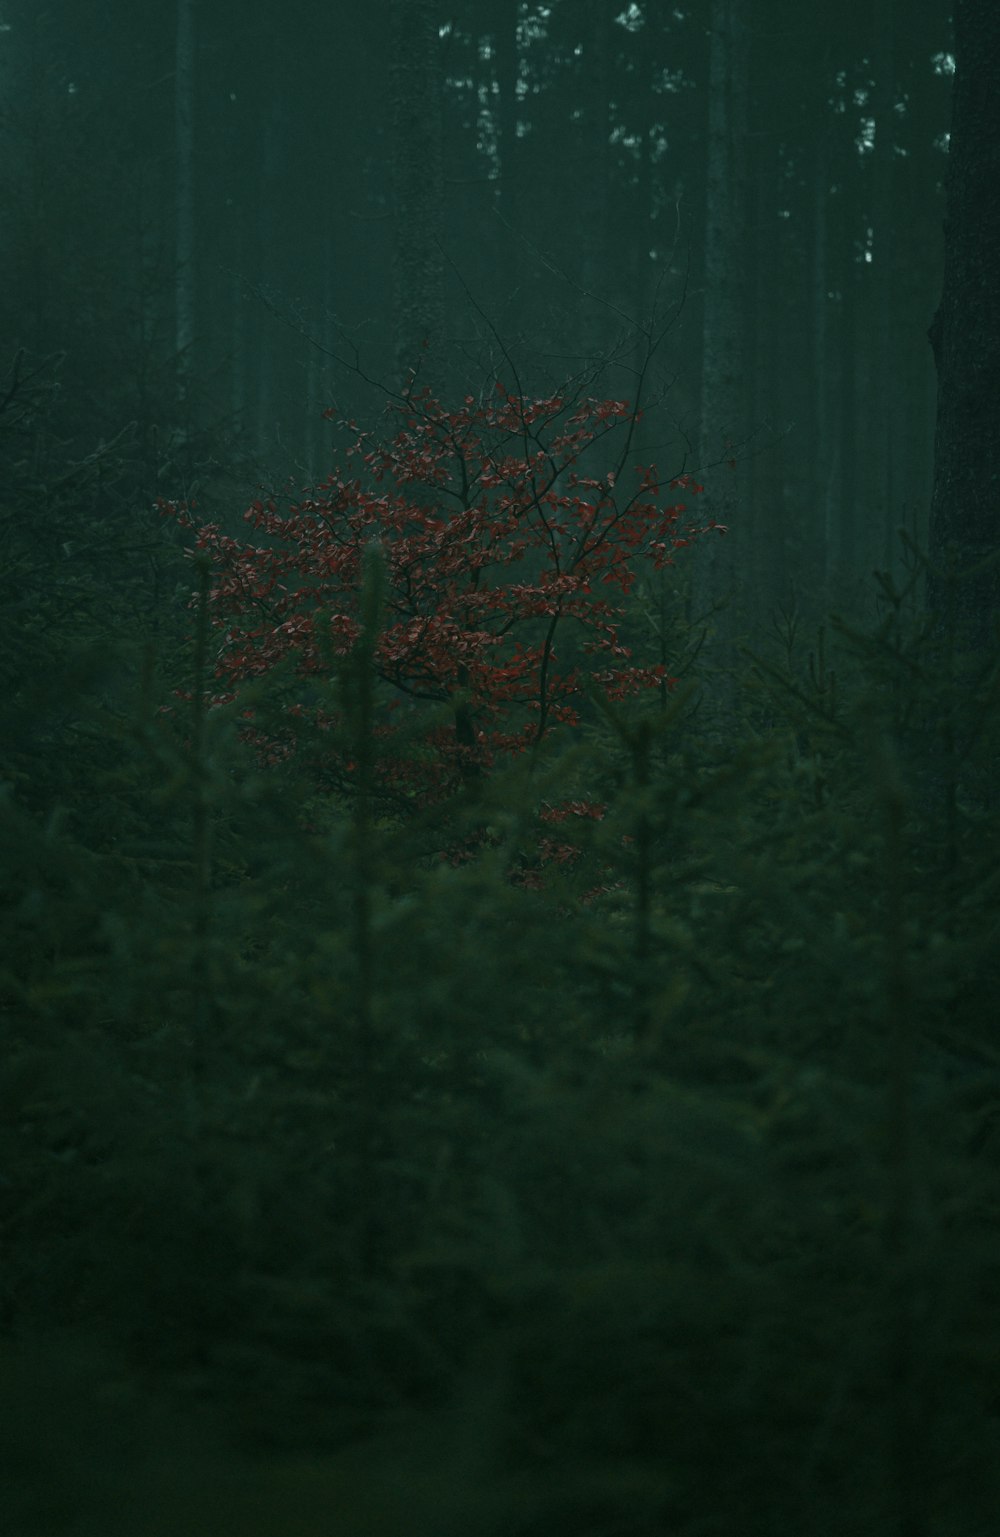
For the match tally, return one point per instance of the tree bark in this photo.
(964, 585)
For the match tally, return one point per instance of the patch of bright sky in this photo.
(533, 26)
(487, 140)
(635, 141)
(631, 18)
(628, 140)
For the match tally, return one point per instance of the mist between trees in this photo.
(498, 748)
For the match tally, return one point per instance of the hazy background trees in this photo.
(966, 338)
(209, 208)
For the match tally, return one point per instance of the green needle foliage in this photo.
(380, 1175)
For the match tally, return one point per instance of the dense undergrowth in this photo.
(372, 1175)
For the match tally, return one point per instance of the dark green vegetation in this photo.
(347, 1187)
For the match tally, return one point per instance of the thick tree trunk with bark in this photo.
(964, 588)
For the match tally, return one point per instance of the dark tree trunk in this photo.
(417, 187)
(508, 197)
(821, 467)
(723, 405)
(964, 589)
(184, 229)
(848, 539)
(597, 31)
(265, 347)
(505, 16)
(885, 384)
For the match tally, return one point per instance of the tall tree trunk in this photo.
(418, 189)
(723, 396)
(885, 382)
(848, 555)
(596, 30)
(643, 269)
(506, 268)
(822, 457)
(184, 300)
(238, 329)
(265, 351)
(964, 588)
(234, 338)
(507, 70)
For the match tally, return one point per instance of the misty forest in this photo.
(500, 984)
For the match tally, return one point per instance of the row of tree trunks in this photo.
(965, 335)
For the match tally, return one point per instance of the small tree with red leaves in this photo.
(505, 572)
